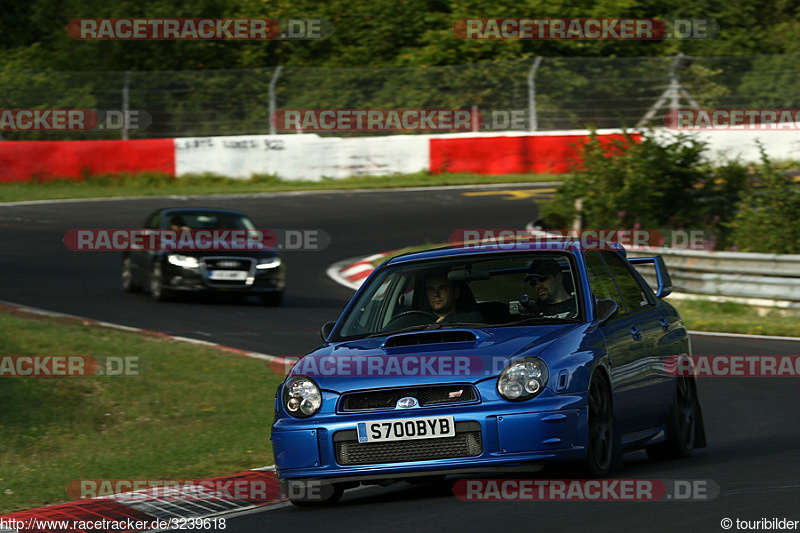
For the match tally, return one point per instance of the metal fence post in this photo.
(126, 104)
(673, 93)
(533, 120)
(272, 104)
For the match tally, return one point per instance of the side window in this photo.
(633, 294)
(399, 296)
(600, 280)
(152, 222)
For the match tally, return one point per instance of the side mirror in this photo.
(326, 329)
(605, 309)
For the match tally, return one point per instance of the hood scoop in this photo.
(430, 337)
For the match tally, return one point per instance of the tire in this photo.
(128, 285)
(603, 447)
(157, 290)
(682, 423)
(272, 299)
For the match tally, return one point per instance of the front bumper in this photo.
(519, 436)
(198, 279)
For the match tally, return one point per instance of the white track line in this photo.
(281, 193)
(45, 312)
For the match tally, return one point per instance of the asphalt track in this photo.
(752, 424)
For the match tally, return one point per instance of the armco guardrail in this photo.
(743, 275)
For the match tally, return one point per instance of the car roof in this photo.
(195, 210)
(500, 248)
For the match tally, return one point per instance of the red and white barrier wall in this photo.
(301, 157)
(311, 157)
(26, 160)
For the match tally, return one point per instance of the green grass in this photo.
(156, 184)
(703, 315)
(197, 412)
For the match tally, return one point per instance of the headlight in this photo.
(270, 262)
(301, 396)
(523, 379)
(183, 261)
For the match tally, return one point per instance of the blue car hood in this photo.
(367, 363)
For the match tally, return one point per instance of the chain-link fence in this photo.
(554, 93)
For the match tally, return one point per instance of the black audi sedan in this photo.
(203, 250)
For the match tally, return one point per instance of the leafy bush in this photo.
(659, 180)
(767, 216)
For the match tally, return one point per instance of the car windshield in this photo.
(207, 221)
(475, 291)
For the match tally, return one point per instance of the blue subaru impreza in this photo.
(489, 358)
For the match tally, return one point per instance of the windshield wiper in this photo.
(466, 324)
(539, 320)
(418, 327)
(432, 326)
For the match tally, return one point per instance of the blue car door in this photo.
(631, 340)
(649, 390)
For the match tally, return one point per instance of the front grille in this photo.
(228, 263)
(426, 396)
(466, 443)
(223, 264)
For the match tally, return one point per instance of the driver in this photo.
(553, 300)
(443, 297)
(178, 224)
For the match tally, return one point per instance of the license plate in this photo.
(407, 429)
(227, 274)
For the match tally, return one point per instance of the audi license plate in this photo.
(227, 274)
(407, 429)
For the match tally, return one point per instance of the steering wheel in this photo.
(397, 321)
(416, 312)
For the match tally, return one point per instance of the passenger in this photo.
(552, 299)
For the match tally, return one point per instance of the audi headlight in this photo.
(270, 262)
(183, 261)
(301, 396)
(523, 379)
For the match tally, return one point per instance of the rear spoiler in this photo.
(662, 274)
